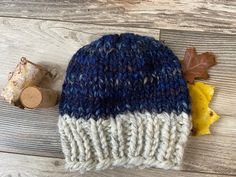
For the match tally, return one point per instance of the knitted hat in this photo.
(124, 103)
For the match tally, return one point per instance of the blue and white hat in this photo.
(124, 103)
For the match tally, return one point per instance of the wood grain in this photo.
(216, 152)
(35, 132)
(14, 165)
(49, 43)
(197, 15)
(29, 131)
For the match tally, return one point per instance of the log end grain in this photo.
(31, 97)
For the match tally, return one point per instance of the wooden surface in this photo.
(29, 139)
(210, 15)
(15, 165)
(49, 43)
(216, 152)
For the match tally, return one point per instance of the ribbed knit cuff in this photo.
(128, 140)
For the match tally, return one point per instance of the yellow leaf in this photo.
(207, 90)
(202, 116)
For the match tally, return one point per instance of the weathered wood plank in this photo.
(35, 132)
(216, 152)
(29, 131)
(198, 15)
(15, 165)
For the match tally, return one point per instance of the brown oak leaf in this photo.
(196, 66)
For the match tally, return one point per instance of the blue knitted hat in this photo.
(124, 103)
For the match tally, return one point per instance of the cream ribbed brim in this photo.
(129, 140)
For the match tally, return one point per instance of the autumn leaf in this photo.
(202, 116)
(196, 66)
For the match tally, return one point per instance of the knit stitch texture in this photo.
(124, 103)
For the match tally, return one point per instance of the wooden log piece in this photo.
(25, 74)
(35, 97)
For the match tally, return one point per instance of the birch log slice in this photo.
(35, 97)
(25, 74)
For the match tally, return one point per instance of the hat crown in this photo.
(120, 73)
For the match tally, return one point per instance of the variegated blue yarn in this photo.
(120, 73)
